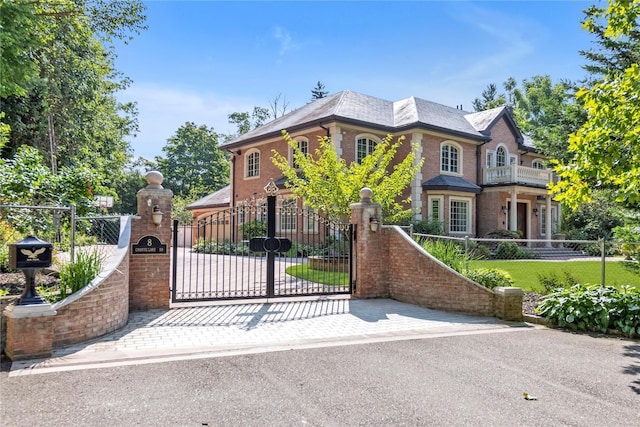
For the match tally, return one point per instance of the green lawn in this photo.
(331, 278)
(525, 273)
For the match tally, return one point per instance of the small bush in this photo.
(478, 252)
(429, 226)
(224, 247)
(490, 277)
(503, 234)
(593, 308)
(78, 274)
(510, 250)
(253, 229)
(552, 281)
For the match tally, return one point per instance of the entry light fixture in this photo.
(374, 224)
(535, 211)
(504, 210)
(156, 215)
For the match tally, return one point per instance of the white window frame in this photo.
(309, 222)
(543, 216)
(490, 161)
(249, 154)
(503, 148)
(302, 141)
(288, 216)
(371, 141)
(469, 202)
(440, 200)
(459, 162)
(513, 159)
(538, 164)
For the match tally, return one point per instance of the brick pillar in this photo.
(150, 248)
(507, 303)
(29, 331)
(371, 250)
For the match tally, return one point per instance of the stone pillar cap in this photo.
(365, 195)
(154, 179)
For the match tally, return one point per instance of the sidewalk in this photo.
(233, 328)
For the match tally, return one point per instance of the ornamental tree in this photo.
(328, 184)
(605, 151)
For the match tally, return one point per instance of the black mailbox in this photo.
(30, 253)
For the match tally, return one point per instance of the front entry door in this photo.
(521, 224)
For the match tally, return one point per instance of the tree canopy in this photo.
(319, 91)
(604, 152)
(58, 82)
(192, 164)
(328, 184)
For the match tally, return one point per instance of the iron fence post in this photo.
(72, 246)
(466, 252)
(603, 263)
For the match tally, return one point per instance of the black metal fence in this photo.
(238, 252)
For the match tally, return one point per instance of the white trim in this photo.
(469, 202)
(540, 162)
(367, 136)
(250, 152)
(506, 155)
(440, 200)
(458, 147)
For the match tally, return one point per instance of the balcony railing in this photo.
(515, 174)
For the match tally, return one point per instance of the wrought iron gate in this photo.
(262, 249)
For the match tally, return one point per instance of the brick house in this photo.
(480, 172)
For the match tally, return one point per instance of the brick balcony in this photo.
(515, 174)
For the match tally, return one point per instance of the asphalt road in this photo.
(467, 380)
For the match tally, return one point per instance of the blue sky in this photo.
(199, 61)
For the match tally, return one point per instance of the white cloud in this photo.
(286, 42)
(162, 110)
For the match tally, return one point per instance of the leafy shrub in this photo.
(450, 253)
(477, 251)
(8, 235)
(429, 226)
(510, 250)
(78, 274)
(593, 308)
(552, 281)
(253, 229)
(490, 277)
(224, 247)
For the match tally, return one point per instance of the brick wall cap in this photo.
(508, 291)
(29, 310)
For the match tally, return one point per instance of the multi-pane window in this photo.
(364, 147)
(310, 222)
(501, 157)
(303, 147)
(459, 216)
(449, 155)
(435, 208)
(253, 164)
(489, 163)
(543, 220)
(288, 215)
(537, 164)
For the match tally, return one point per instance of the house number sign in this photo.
(148, 245)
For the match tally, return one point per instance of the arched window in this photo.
(538, 164)
(501, 157)
(364, 146)
(252, 164)
(450, 158)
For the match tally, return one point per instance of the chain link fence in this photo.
(538, 265)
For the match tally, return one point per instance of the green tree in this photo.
(319, 91)
(490, 99)
(25, 180)
(192, 163)
(66, 105)
(248, 121)
(604, 152)
(327, 183)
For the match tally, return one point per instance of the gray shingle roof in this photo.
(219, 198)
(378, 113)
(450, 183)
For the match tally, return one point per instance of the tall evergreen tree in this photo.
(319, 91)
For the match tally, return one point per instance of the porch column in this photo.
(547, 220)
(416, 184)
(513, 212)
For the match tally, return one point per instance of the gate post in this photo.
(150, 257)
(371, 252)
